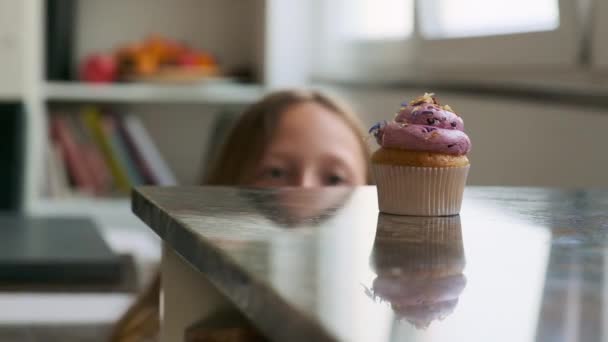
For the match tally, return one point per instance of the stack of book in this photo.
(101, 154)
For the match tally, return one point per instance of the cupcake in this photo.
(421, 166)
(419, 262)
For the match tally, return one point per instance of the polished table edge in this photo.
(248, 294)
(252, 295)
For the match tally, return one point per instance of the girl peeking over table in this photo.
(287, 139)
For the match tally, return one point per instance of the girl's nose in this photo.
(307, 179)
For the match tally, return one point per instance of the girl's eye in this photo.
(334, 180)
(276, 173)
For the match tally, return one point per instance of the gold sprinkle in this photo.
(435, 134)
(426, 98)
(435, 101)
(449, 109)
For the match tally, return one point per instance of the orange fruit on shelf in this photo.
(205, 59)
(146, 64)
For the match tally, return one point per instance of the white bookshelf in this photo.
(212, 92)
(11, 45)
(253, 33)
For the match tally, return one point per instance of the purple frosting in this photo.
(424, 125)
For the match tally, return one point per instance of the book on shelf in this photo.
(132, 146)
(58, 184)
(94, 121)
(72, 153)
(149, 154)
(119, 149)
(60, 20)
(12, 164)
(96, 153)
(92, 157)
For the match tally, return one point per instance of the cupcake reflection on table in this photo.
(419, 263)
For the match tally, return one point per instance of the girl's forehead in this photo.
(312, 120)
(318, 136)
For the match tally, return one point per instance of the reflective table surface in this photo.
(518, 264)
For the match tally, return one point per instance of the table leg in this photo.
(187, 298)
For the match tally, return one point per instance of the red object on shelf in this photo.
(72, 154)
(99, 68)
(188, 59)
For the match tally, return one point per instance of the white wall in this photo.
(514, 142)
(11, 49)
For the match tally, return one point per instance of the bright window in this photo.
(471, 18)
(395, 39)
(376, 19)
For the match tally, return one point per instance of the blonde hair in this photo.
(255, 130)
(141, 322)
(245, 145)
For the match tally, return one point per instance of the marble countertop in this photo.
(518, 264)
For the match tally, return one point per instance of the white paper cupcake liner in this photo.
(420, 191)
(419, 245)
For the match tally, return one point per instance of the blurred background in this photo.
(99, 96)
